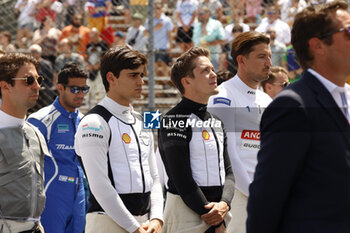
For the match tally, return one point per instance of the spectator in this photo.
(277, 80)
(95, 50)
(135, 36)
(291, 64)
(24, 12)
(237, 5)
(290, 7)
(295, 7)
(272, 20)
(47, 93)
(119, 39)
(215, 7)
(77, 34)
(65, 202)
(47, 37)
(226, 61)
(253, 8)
(237, 19)
(66, 56)
(186, 13)
(22, 146)
(5, 42)
(162, 37)
(45, 8)
(98, 12)
(209, 33)
(278, 49)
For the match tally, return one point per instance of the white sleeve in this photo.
(161, 170)
(227, 115)
(156, 190)
(91, 143)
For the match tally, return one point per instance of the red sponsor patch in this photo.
(251, 135)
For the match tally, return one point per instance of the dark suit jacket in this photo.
(302, 180)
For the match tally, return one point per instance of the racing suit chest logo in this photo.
(250, 135)
(205, 135)
(126, 138)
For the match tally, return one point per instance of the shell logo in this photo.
(205, 135)
(126, 138)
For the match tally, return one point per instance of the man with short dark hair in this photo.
(22, 146)
(277, 80)
(239, 105)
(301, 183)
(118, 154)
(201, 183)
(65, 205)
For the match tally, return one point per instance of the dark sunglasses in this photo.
(345, 29)
(31, 79)
(283, 84)
(76, 89)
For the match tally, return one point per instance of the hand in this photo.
(221, 229)
(217, 213)
(185, 28)
(153, 226)
(158, 26)
(139, 230)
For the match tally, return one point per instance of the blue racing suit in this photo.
(65, 198)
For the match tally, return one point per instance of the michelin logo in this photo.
(151, 120)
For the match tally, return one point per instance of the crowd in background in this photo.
(81, 31)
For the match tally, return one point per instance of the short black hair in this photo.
(71, 70)
(120, 58)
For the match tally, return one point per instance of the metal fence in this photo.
(158, 92)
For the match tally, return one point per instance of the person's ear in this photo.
(60, 87)
(4, 85)
(316, 46)
(240, 59)
(111, 79)
(186, 82)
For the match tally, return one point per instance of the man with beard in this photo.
(65, 205)
(239, 105)
(77, 34)
(22, 146)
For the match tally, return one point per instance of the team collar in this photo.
(122, 112)
(248, 91)
(64, 111)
